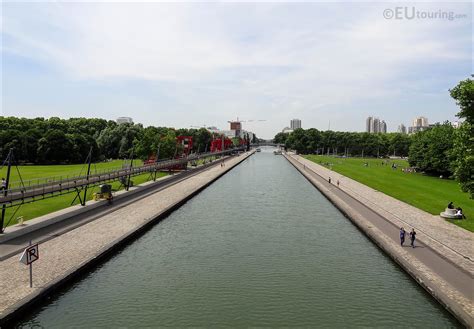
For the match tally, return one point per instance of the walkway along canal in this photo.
(259, 247)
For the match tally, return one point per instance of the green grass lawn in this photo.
(42, 207)
(428, 193)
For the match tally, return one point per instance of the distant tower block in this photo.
(237, 127)
(295, 124)
(124, 120)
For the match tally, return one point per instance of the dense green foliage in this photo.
(431, 150)
(463, 157)
(463, 152)
(428, 193)
(345, 143)
(463, 93)
(58, 141)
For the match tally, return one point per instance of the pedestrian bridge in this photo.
(267, 144)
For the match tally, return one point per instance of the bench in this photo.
(450, 214)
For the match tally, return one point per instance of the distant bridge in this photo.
(266, 144)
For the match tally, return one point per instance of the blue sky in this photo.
(186, 64)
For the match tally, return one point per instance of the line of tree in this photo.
(60, 141)
(345, 143)
(440, 150)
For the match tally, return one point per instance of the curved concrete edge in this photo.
(442, 291)
(21, 308)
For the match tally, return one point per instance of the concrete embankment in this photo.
(433, 263)
(75, 252)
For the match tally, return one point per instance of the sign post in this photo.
(30, 255)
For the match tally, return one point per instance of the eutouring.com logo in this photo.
(410, 13)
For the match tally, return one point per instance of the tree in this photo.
(431, 149)
(463, 154)
(202, 140)
(54, 147)
(399, 144)
(463, 150)
(280, 138)
(463, 93)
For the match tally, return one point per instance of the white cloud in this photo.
(247, 58)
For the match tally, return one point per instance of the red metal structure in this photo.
(216, 144)
(187, 143)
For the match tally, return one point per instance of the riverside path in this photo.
(442, 262)
(63, 255)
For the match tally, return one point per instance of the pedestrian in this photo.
(460, 213)
(412, 237)
(338, 183)
(329, 180)
(4, 184)
(402, 236)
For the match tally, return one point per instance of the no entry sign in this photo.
(30, 255)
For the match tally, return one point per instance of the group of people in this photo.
(458, 210)
(329, 180)
(412, 236)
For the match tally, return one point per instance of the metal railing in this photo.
(38, 188)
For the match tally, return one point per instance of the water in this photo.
(259, 247)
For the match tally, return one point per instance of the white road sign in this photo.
(30, 255)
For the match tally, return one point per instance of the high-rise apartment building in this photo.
(419, 124)
(121, 120)
(369, 124)
(375, 125)
(295, 124)
(383, 127)
(402, 129)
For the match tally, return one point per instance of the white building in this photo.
(295, 124)
(402, 129)
(375, 125)
(369, 124)
(419, 124)
(287, 130)
(383, 127)
(456, 124)
(124, 120)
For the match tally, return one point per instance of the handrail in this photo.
(75, 182)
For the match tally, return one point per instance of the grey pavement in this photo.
(444, 266)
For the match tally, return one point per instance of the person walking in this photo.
(412, 237)
(329, 180)
(338, 183)
(4, 184)
(402, 236)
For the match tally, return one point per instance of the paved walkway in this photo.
(441, 265)
(453, 242)
(64, 254)
(90, 212)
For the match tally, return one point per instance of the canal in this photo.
(259, 247)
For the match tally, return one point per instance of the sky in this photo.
(330, 64)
